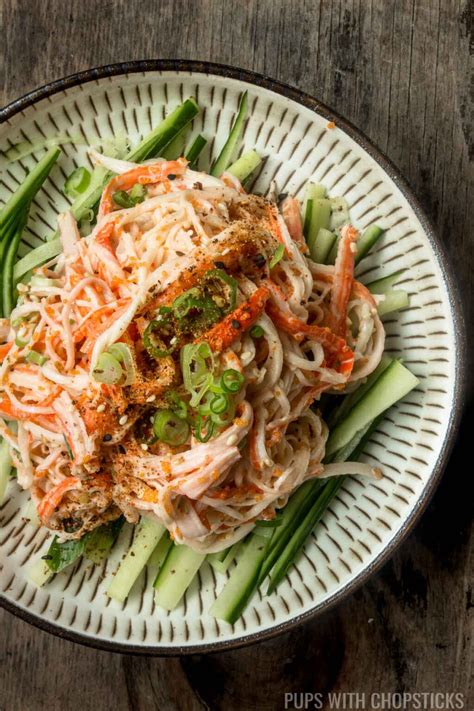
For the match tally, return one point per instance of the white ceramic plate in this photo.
(367, 520)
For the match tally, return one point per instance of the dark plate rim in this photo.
(304, 99)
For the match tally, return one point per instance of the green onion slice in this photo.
(204, 429)
(178, 405)
(197, 366)
(232, 380)
(184, 303)
(123, 199)
(138, 193)
(154, 335)
(279, 252)
(36, 358)
(108, 369)
(123, 353)
(256, 331)
(170, 428)
(77, 183)
(222, 289)
(219, 404)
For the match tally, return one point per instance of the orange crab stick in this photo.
(51, 500)
(338, 353)
(143, 175)
(343, 280)
(236, 323)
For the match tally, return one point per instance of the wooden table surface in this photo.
(399, 70)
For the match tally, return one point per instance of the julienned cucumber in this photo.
(393, 301)
(5, 467)
(101, 540)
(221, 561)
(394, 383)
(158, 556)
(245, 165)
(147, 535)
(299, 503)
(195, 150)
(316, 218)
(225, 156)
(323, 245)
(176, 574)
(36, 257)
(313, 191)
(233, 598)
(30, 185)
(351, 400)
(339, 213)
(382, 286)
(367, 240)
(40, 573)
(298, 539)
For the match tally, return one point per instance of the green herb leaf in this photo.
(279, 252)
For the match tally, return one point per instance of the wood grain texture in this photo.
(399, 70)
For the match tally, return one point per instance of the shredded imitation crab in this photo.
(83, 447)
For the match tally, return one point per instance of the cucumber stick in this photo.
(40, 573)
(285, 560)
(221, 561)
(224, 158)
(323, 245)
(195, 150)
(351, 400)
(245, 165)
(231, 601)
(393, 301)
(147, 535)
(313, 191)
(317, 216)
(367, 240)
(339, 213)
(299, 503)
(394, 383)
(5, 467)
(36, 257)
(158, 556)
(176, 574)
(28, 188)
(382, 286)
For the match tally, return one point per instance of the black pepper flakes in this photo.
(107, 438)
(235, 323)
(260, 260)
(171, 176)
(219, 265)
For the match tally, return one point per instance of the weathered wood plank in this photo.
(399, 69)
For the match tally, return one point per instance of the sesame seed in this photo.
(152, 398)
(144, 446)
(245, 355)
(101, 408)
(231, 440)
(123, 420)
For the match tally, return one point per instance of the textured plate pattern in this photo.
(366, 517)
